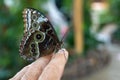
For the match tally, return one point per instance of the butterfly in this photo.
(39, 38)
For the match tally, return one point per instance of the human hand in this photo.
(49, 67)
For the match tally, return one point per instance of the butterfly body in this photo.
(39, 38)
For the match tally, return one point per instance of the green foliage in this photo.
(115, 12)
(9, 57)
(116, 35)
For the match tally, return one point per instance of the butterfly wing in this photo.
(39, 37)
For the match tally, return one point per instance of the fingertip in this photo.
(63, 52)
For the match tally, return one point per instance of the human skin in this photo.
(49, 67)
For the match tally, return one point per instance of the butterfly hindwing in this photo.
(39, 35)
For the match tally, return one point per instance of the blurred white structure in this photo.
(56, 17)
(97, 9)
(105, 34)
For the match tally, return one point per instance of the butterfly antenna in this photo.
(65, 34)
(63, 38)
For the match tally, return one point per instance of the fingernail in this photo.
(63, 51)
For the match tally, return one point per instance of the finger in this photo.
(36, 68)
(20, 74)
(54, 69)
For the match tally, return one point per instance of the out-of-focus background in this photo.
(93, 40)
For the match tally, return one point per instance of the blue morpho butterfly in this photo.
(39, 38)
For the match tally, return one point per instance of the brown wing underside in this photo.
(46, 47)
(30, 48)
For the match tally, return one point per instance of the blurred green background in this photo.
(11, 29)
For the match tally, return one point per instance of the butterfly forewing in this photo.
(39, 35)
